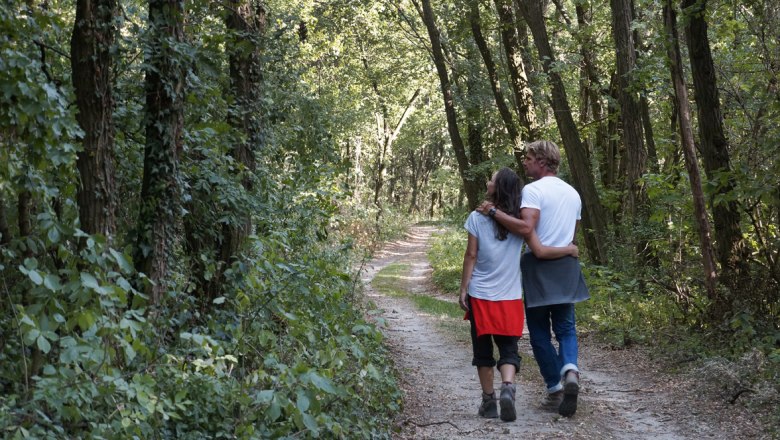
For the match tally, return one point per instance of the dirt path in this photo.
(621, 396)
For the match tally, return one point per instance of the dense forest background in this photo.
(186, 188)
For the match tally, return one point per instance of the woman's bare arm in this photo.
(549, 252)
(469, 260)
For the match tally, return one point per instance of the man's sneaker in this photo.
(552, 401)
(507, 401)
(488, 409)
(571, 388)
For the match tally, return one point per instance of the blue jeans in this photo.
(553, 364)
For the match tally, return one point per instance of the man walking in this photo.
(551, 287)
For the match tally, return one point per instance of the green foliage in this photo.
(446, 257)
(283, 352)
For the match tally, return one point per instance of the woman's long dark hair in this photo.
(506, 197)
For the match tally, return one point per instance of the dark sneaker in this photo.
(552, 401)
(507, 402)
(571, 388)
(489, 408)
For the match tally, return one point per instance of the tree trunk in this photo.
(594, 216)
(386, 139)
(246, 23)
(644, 105)
(518, 78)
(609, 177)
(5, 230)
(689, 151)
(630, 111)
(475, 126)
(731, 249)
(470, 185)
(590, 88)
(160, 198)
(490, 66)
(91, 45)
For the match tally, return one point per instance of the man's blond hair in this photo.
(546, 151)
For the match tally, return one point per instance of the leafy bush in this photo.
(285, 352)
(446, 257)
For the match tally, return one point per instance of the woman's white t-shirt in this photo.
(496, 275)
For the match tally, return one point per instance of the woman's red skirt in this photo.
(497, 317)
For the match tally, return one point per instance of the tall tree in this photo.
(590, 89)
(714, 147)
(490, 66)
(689, 150)
(630, 111)
(471, 185)
(246, 21)
(518, 78)
(594, 215)
(92, 44)
(164, 123)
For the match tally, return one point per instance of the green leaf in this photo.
(52, 282)
(54, 235)
(85, 320)
(121, 261)
(264, 397)
(35, 277)
(219, 300)
(310, 423)
(322, 383)
(302, 401)
(274, 411)
(43, 344)
(27, 320)
(89, 281)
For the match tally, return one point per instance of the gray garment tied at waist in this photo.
(548, 282)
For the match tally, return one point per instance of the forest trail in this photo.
(621, 396)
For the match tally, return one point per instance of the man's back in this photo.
(559, 208)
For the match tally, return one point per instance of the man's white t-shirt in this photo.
(559, 208)
(496, 275)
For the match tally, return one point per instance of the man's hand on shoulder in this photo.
(485, 207)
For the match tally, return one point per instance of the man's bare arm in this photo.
(517, 226)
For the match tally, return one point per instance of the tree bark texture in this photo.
(5, 230)
(470, 184)
(475, 125)
(91, 44)
(246, 24)
(164, 121)
(689, 151)
(731, 249)
(590, 89)
(594, 215)
(630, 111)
(518, 78)
(644, 104)
(490, 66)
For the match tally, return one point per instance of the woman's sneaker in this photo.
(507, 402)
(489, 408)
